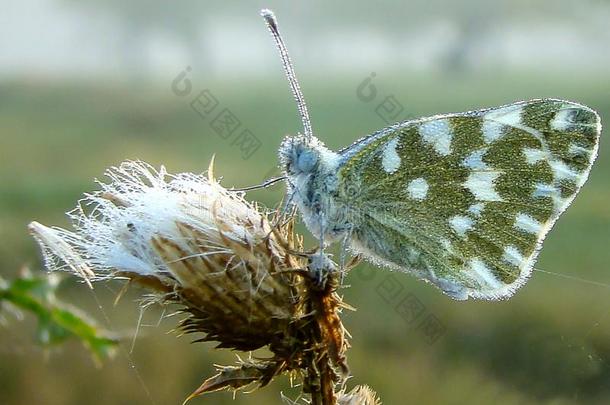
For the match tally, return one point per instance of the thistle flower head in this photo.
(191, 240)
(241, 280)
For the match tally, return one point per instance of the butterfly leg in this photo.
(320, 265)
(321, 259)
(289, 202)
(286, 212)
(343, 256)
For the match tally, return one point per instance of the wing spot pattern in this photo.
(461, 224)
(527, 224)
(418, 189)
(481, 185)
(482, 274)
(513, 256)
(438, 134)
(390, 159)
(494, 121)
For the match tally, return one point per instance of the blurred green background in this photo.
(86, 85)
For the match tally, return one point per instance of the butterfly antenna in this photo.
(289, 70)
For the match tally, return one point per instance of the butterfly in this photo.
(463, 201)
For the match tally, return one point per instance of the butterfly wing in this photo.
(465, 200)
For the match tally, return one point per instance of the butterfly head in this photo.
(300, 155)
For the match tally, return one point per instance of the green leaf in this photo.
(57, 321)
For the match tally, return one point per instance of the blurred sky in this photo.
(155, 38)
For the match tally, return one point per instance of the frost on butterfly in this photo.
(463, 201)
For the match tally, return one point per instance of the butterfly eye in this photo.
(306, 161)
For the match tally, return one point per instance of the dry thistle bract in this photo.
(242, 281)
